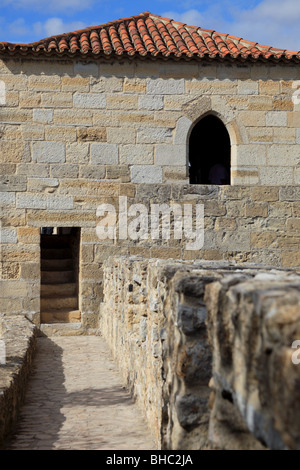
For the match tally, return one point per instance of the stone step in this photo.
(58, 289)
(58, 303)
(63, 264)
(61, 329)
(57, 277)
(56, 253)
(60, 316)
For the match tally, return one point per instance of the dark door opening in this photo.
(209, 152)
(59, 275)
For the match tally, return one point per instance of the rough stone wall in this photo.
(154, 319)
(248, 224)
(78, 134)
(20, 346)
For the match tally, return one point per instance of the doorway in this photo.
(209, 152)
(60, 274)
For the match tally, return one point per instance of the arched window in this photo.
(209, 152)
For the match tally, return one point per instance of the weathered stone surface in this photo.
(19, 337)
(252, 326)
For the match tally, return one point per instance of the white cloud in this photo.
(53, 5)
(271, 22)
(190, 17)
(54, 26)
(18, 27)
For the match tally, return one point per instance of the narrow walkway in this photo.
(76, 400)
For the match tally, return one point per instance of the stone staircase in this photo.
(59, 299)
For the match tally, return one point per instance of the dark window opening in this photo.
(209, 152)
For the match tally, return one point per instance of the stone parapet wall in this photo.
(247, 224)
(20, 345)
(154, 318)
(252, 326)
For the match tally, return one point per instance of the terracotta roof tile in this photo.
(148, 35)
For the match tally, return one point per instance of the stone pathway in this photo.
(76, 400)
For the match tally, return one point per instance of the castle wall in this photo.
(75, 135)
(207, 350)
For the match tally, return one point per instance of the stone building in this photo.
(141, 109)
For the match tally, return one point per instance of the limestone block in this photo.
(265, 194)
(104, 153)
(43, 115)
(253, 118)
(146, 174)
(152, 135)
(121, 101)
(11, 152)
(44, 83)
(13, 183)
(182, 129)
(92, 171)
(41, 184)
(7, 199)
(134, 85)
(57, 100)
(160, 86)
(289, 194)
(77, 152)
(89, 100)
(39, 170)
(33, 132)
(73, 117)
(249, 155)
(64, 171)
(247, 87)
(260, 103)
(29, 99)
(256, 210)
(285, 135)
(170, 154)
(90, 134)
(78, 84)
(283, 155)
(48, 152)
(151, 102)
(60, 202)
(276, 175)
(276, 118)
(12, 115)
(8, 235)
(60, 133)
(116, 135)
(136, 154)
(269, 87)
(30, 201)
(106, 84)
(260, 134)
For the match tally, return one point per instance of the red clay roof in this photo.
(153, 36)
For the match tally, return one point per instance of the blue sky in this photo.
(272, 22)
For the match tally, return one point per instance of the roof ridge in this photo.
(136, 36)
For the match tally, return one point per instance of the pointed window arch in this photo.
(209, 152)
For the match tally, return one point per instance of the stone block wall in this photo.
(246, 224)
(154, 318)
(76, 134)
(131, 121)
